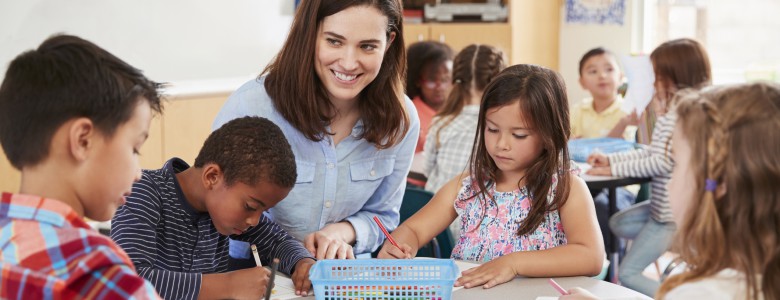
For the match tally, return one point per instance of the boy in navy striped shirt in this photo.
(176, 223)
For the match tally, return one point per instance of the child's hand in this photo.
(487, 275)
(323, 246)
(248, 283)
(600, 171)
(300, 276)
(391, 251)
(632, 119)
(598, 159)
(578, 294)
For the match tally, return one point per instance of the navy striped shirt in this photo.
(171, 244)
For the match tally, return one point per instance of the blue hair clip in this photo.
(710, 185)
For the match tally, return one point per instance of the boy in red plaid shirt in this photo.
(72, 118)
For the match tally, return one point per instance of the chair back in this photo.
(441, 245)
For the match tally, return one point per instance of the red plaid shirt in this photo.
(49, 252)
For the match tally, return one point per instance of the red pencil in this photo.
(387, 234)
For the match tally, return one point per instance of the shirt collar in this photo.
(177, 165)
(40, 209)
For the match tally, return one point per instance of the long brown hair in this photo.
(475, 65)
(681, 63)
(299, 95)
(734, 135)
(542, 97)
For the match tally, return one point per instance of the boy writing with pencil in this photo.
(176, 223)
(72, 118)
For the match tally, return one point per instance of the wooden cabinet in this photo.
(529, 36)
(180, 131)
(187, 124)
(460, 35)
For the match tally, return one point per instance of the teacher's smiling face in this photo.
(350, 47)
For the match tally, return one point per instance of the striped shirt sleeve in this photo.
(655, 161)
(273, 242)
(133, 229)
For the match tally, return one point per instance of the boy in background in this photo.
(602, 116)
(176, 223)
(72, 118)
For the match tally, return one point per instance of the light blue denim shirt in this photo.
(352, 181)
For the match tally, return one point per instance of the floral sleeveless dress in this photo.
(496, 234)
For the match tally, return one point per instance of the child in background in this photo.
(72, 118)
(428, 81)
(725, 195)
(448, 148)
(602, 116)
(521, 152)
(176, 223)
(677, 64)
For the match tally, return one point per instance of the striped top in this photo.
(49, 252)
(448, 160)
(172, 244)
(655, 162)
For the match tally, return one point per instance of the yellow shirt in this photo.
(587, 123)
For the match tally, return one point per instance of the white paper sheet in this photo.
(639, 71)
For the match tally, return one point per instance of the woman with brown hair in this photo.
(336, 91)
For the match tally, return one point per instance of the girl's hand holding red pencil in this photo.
(403, 251)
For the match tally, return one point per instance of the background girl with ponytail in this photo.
(448, 147)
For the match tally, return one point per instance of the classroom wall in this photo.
(576, 39)
(171, 40)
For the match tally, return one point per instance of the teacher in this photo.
(336, 91)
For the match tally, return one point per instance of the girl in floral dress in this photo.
(520, 151)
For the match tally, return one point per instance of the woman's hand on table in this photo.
(331, 242)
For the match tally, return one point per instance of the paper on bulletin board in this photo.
(639, 71)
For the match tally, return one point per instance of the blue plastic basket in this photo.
(399, 279)
(580, 149)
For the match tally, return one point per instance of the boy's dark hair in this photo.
(591, 53)
(424, 55)
(249, 149)
(66, 77)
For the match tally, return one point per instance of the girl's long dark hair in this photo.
(543, 102)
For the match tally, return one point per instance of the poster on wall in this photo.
(599, 12)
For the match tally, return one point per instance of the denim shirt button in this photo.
(328, 204)
(373, 173)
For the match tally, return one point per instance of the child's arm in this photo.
(426, 223)
(653, 162)
(273, 242)
(582, 255)
(619, 131)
